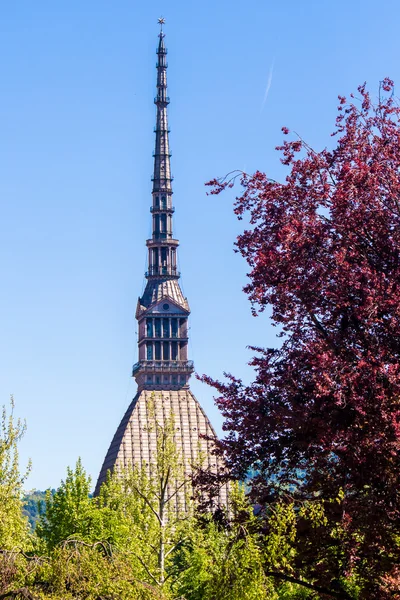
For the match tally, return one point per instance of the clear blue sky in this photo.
(76, 120)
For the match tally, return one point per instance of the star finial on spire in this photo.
(161, 21)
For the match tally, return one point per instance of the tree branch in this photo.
(20, 592)
(148, 504)
(106, 546)
(318, 325)
(175, 546)
(149, 573)
(164, 485)
(176, 491)
(343, 595)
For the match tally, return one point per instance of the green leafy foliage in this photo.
(69, 511)
(144, 538)
(223, 562)
(154, 505)
(75, 569)
(13, 525)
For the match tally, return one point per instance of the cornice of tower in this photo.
(175, 309)
(159, 241)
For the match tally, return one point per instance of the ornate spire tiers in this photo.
(163, 370)
(162, 311)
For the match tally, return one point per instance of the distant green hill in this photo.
(31, 501)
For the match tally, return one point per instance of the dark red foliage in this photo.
(323, 414)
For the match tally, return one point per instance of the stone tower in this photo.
(163, 369)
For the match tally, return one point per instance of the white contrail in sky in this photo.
(271, 70)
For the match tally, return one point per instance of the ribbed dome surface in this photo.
(158, 289)
(135, 439)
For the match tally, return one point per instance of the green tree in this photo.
(154, 504)
(221, 559)
(69, 511)
(77, 569)
(246, 556)
(142, 512)
(14, 530)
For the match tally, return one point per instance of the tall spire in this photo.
(162, 169)
(162, 246)
(162, 311)
(163, 369)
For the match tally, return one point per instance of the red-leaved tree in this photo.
(322, 418)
